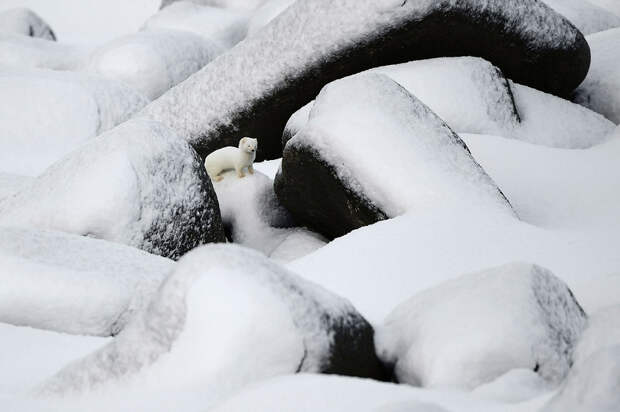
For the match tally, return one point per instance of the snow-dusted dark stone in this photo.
(593, 385)
(475, 328)
(231, 316)
(139, 184)
(25, 22)
(45, 114)
(153, 61)
(372, 151)
(587, 17)
(254, 218)
(600, 91)
(74, 284)
(255, 87)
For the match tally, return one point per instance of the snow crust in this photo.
(226, 317)
(586, 16)
(600, 91)
(25, 22)
(470, 330)
(73, 284)
(224, 26)
(138, 184)
(21, 52)
(46, 114)
(152, 61)
(426, 162)
(591, 386)
(257, 220)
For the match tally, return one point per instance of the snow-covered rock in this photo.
(254, 88)
(245, 5)
(45, 114)
(226, 317)
(372, 151)
(152, 61)
(254, 218)
(73, 284)
(593, 385)
(21, 52)
(139, 184)
(472, 96)
(603, 330)
(226, 27)
(11, 184)
(25, 22)
(479, 326)
(516, 385)
(267, 12)
(600, 91)
(586, 16)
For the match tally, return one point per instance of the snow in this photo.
(472, 96)
(224, 26)
(266, 13)
(25, 22)
(603, 331)
(46, 114)
(425, 161)
(225, 318)
(153, 61)
(591, 386)
(242, 5)
(578, 186)
(600, 91)
(250, 208)
(268, 167)
(515, 386)
(89, 21)
(11, 184)
(23, 52)
(138, 184)
(588, 17)
(611, 5)
(597, 292)
(471, 330)
(73, 284)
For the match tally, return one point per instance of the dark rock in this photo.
(255, 87)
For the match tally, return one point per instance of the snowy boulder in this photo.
(372, 151)
(600, 91)
(73, 284)
(226, 27)
(139, 184)
(470, 330)
(586, 16)
(593, 385)
(226, 317)
(603, 330)
(267, 12)
(470, 94)
(45, 114)
(25, 22)
(22, 52)
(242, 5)
(152, 61)
(254, 218)
(255, 87)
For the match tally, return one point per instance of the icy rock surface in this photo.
(226, 27)
(603, 331)
(25, 22)
(586, 16)
(600, 91)
(226, 317)
(152, 61)
(253, 89)
(593, 385)
(138, 184)
(471, 330)
(254, 218)
(372, 151)
(23, 52)
(45, 114)
(472, 96)
(72, 284)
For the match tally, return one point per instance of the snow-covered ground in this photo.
(469, 302)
